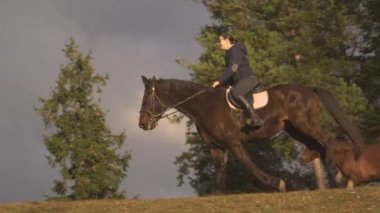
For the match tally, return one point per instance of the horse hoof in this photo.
(350, 185)
(281, 186)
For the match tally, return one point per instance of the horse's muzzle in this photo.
(147, 125)
(141, 125)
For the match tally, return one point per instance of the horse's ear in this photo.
(154, 78)
(144, 79)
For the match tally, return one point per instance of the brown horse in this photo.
(363, 170)
(308, 155)
(294, 109)
(333, 172)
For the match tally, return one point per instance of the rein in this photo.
(158, 116)
(177, 104)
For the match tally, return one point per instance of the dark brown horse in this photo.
(365, 169)
(294, 109)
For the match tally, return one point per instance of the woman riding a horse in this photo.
(239, 75)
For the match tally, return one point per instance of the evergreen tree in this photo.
(78, 140)
(369, 56)
(288, 41)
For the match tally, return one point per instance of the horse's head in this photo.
(151, 107)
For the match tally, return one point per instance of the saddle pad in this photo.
(260, 100)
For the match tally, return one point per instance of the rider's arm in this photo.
(233, 62)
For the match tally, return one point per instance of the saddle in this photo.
(260, 99)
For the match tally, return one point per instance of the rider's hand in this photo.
(215, 83)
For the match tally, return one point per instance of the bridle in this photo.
(157, 116)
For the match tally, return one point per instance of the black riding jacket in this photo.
(237, 65)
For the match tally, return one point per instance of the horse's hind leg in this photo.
(241, 154)
(310, 128)
(311, 144)
(304, 117)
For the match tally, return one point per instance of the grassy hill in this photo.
(361, 199)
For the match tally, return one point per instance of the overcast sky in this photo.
(128, 38)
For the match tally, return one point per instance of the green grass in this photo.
(361, 199)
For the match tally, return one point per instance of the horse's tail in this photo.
(333, 107)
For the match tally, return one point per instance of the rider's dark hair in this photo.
(227, 35)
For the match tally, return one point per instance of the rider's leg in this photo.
(248, 107)
(242, 92)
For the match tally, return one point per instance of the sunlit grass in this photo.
(361, 199)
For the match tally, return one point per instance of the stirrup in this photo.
(255, 120)
(258, 122)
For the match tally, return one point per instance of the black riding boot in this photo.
(248, 108)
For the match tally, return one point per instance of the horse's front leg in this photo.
(218, 157)
(241, 154)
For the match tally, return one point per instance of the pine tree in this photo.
(288, 41)
(78, 140)
(369, 56)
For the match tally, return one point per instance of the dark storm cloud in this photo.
(128, 39)
(141, 18)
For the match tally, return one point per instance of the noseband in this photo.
(152, 109)
(157, 116)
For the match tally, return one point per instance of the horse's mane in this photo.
(182, 84)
